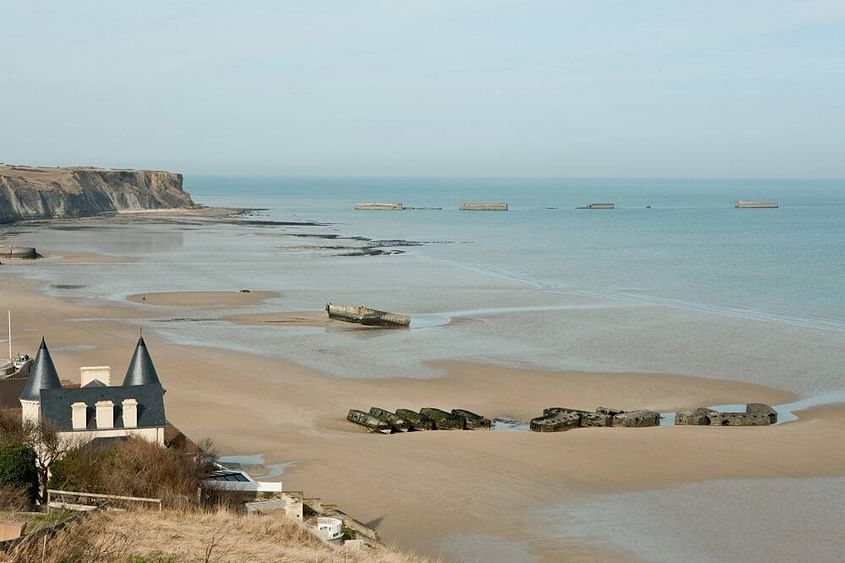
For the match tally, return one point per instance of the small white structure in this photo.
(225, 479)
(92, 373)
(292, 506)
(329, 529)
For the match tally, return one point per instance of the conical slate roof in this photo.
(42, 375)
(141, 369)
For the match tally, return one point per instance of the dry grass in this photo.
(185, 535)
(134, 468)
(13, 499)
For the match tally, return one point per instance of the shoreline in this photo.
(422, 488)
(428, 492)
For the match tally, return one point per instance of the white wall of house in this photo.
(87, 374)
(155, 435)
(30, 411)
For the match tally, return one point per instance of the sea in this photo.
(673, 280)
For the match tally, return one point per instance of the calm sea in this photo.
(673, 280)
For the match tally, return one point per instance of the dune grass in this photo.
(174, 535)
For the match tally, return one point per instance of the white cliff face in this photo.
(43, 193)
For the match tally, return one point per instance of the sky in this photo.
(593, 88)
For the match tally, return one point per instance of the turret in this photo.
(141, 369)
(42, 375)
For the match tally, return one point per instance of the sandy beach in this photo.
(421, 489)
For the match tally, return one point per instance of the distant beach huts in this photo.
(483, 206)
(598, 206)
(748, 204)
(379, 206)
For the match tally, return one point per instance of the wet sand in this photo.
(433, 491)
(304, 318)
(203, 298)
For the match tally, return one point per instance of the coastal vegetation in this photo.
(176, 535)
(135, 468)
(18, 475)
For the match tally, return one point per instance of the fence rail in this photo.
(56, 492)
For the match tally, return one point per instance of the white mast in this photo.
(10, 336)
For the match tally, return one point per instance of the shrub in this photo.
(132, 468)
(17, 468)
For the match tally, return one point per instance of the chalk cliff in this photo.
(42, 193)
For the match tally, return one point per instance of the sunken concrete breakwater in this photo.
(28, 192)
(366, 316)
(483, 206)
(368, 421)
(385, 422)
(755, 414)
(18, 252)
(561, 419)
(556, 419)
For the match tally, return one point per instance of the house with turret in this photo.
(97, 409)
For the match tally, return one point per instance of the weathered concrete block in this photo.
(443, 420)
(473, 421)
(415, 420)
(756, 414)
(557, 422)
(594, 419)
(586, 418)
(609, 411)
(762, 411)
(557, 410)
(636, 419)
(396, 422)
(695, 417)
(368, 421)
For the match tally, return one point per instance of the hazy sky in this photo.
(430, 87)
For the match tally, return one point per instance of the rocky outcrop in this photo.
(45, 193)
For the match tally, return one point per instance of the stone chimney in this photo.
(90, 373)
(130, 413)
(105, 415)
(79, 416)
